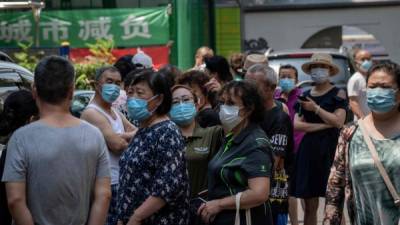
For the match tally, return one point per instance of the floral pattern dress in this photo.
(154, 165)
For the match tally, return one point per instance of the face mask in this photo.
(229, 116)
(137, 108)
(366, 65)
(381, 100)
(110, 92)
(183, 113)
(286, 84)
(320, 75)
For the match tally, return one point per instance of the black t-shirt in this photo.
(246, 156)
(208, 118)
(279, 129)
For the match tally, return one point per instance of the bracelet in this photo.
(317, 110)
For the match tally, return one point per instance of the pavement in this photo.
(320, 212)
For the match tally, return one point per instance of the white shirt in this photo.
(118, 127)
(357, 87)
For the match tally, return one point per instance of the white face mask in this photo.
(320, 75)
(229, 116)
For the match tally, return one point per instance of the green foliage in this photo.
(25, 58)
(85, 69)
(101, 55)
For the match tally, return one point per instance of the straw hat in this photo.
(318, 59)
(254, 59)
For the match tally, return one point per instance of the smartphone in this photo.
(303, 98)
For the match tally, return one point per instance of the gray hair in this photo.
(269, 74)
(100, 71)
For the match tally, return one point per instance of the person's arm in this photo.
(173, 183)
(148, 208)
(335, 194)
(355, 106)
(101, 202)
(115, 142)
(255, 195)
(301, 125)
(16, 199)
(130, 129)
(335, 119)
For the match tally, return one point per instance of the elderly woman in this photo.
(154, 186)
(321, 112)
(354, 169)
(242, 168)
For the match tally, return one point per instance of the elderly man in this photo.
(115, 127)
(278, 127)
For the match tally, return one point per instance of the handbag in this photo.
(248, 213)
(379, 165)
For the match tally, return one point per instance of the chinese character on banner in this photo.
(19, 31)
(95, 28)
(58, 30)
(135, 27)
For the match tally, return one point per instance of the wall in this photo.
(290, 29)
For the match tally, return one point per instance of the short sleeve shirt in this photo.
(243, 157)
(357, 87)
(279, 129)
(200, 148)
(58, 165)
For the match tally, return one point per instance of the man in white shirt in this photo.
(114, 126)
(357, 85)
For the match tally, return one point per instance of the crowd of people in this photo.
(225, 142)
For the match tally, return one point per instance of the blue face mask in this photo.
(137, 108)
(381, 100)
(110, 92)
(286, 84)
(366, 65)
(183, 113)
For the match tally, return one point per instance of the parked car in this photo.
(300, 56)
(12, 78)
(80, 101)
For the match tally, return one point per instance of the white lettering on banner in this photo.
(57, 28)
(135, 27)
(19, 31)
(95, 28)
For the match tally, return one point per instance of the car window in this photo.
(79, 103)
(10, 81)
(340, 79)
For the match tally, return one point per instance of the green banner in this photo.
(127, 27)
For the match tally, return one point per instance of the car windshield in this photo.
(339, 79)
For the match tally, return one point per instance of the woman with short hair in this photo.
(153, 186)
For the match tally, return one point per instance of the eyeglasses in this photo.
(183, 99)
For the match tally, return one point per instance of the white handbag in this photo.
(248, 213)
